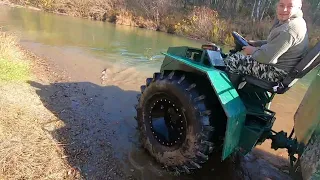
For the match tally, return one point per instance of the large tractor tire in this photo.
(174, 122)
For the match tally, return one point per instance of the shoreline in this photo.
(27, 127)
(43, 102)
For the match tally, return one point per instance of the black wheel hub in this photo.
(167, 121)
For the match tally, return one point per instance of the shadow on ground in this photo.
(101, 139)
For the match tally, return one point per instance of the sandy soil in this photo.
(100, 134)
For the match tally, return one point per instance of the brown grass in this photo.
(8, 48)
(27, 149)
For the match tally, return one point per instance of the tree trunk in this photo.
(253, 10)
(264, 9)
(258, 9)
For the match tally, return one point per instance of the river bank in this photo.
(27, 148)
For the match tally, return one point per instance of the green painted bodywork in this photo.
(229, 98)
(307, 117)
(259, 119)
(307, 131)
(248, 121)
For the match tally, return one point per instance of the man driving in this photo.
(274, 58)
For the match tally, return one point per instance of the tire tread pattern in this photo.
(205, 146)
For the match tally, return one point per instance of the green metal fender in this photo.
(233, 106)
(307, 130)
(307, 116)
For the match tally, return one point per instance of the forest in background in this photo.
(210, 20)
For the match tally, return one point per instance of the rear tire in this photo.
(173, 102)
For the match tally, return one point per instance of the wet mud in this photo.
(101, 140)
(99, 132)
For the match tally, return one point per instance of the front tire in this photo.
(174, 122)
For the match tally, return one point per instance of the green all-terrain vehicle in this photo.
(193, 107)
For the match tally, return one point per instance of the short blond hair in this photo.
(296, 3)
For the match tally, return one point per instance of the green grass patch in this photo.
(14, 66)
(13, 71)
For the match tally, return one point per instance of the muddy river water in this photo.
(98, 113)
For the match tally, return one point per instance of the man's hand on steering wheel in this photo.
(251, 42)
(243, 44)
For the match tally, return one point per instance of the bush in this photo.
(44, 4)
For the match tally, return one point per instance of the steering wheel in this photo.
(239, 41)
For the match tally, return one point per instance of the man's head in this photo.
(287, 8)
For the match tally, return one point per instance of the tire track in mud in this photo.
(99, 129)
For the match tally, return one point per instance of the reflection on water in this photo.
(123, 44)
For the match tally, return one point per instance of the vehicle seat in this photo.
(308, 63)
